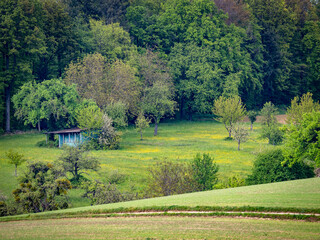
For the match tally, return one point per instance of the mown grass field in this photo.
(177, 141)
(159, 228)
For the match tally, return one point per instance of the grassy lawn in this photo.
(159, 228)
(177, 141)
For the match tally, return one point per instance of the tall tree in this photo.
(278, 25)
(21, 42)
(105, 82)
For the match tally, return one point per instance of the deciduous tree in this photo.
(300, 106)
(157, 102)
(229, 111)
(302, 141)
(142, 123)
(76, 161)
(240, 134)
(16, 159)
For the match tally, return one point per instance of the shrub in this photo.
(115, 177)
(204, 172)
(167, 178)
(49, 144)
(273, 133)
(268, 168)
(100, 193)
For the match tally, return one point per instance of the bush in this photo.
(268, 168)
(115, 177)
(100, 193)
(49, 144)
(273, 133)
(169, 178)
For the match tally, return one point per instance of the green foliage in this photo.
(115, 177)
(168, 178)
(15, 158)
(117, 111)
(41, 187)
(100, 193)
(111, 40)
(204, 172)
(105, 82)
(49, 100)
(271, 129)
(269, 167)
(273, 133)
(76, 161)
(157, 102)
(302, 141)
(229, 111)
(268, 113)
(278, 23)
(298, 108)
(90, 118)
(252, 115)
(141, 124)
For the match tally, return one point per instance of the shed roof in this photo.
(71, 130)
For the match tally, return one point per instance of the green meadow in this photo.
(177, 141)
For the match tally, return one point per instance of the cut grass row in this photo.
(159, 227)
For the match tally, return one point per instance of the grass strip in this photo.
(261, 212)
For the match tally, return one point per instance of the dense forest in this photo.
(60, 55)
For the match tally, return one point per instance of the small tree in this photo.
(16, 159)
(297, 109)
(142, 123)
(204, 172)
(240, 134)
(268, 113)
(229, 111)
(252, 115)
(76, 162)
(157, 102)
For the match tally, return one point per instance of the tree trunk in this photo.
(230, 133)
(7, 93)
(141, 136)
(15, 170)
(156, 128)
(39, 127)
(238, 145)
(251, 126)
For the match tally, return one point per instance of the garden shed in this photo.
(70, 137)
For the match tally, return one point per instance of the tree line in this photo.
(132, 51)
